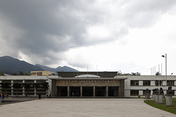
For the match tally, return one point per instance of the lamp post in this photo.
(165, 56)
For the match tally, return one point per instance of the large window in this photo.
(145, 92)
(158, 82)
(170, 82)
(134, 92)
(39, 73)
(146, 83)
(134, 82)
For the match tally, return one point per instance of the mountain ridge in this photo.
(10, 65)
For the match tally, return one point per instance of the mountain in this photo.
(64, 68)
(11, 65)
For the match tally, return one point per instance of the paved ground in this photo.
(82, 108)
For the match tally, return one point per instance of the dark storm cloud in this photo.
(39, 28)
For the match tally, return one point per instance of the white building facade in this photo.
(102, 84)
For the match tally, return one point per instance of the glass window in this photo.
(145, 92)
(170, 83)
(146, 83)
(134, 92)
(158, 82)
(134, 83)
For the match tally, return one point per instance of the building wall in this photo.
(24, 85)
(42, 73)
(54, 81)
(140, 87)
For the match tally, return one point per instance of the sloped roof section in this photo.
(87, 76)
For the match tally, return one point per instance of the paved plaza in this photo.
(82, 107)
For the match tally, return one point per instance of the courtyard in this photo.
(82, 107)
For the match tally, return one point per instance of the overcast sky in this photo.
(103, 35)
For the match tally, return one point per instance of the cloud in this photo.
(43, 30)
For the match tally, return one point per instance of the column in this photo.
(106, 91)
(119, 91)
(93, 91)
(68, 90)
(80, 91)
(152, 83)
(35, 91)
(140, 83)
(24, 92)
(11, 87)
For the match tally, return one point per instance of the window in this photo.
(170, 83)
(134, 83)
(134, 92)
(146, 83)
(145, 92)
(39, 73)
(158, 82)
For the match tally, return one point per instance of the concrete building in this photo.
(85, 84)
(42, 73)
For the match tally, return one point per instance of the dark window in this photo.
(158, 82)
(146, 83)
(39, 73)
(145, 92)
(170, 83)
(134, 83)
(134, 92)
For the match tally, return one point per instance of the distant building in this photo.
(42, 73)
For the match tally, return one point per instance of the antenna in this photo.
(87, 69)
(97, 69)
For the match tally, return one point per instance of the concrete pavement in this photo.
(82, 108)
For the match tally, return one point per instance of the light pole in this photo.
(165, 56)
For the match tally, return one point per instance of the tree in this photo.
(26, 74)
(21, 73)
(14, 74)
(1, 74)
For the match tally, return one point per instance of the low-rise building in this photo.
(42, 73)
(85, 84)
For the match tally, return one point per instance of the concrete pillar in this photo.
(164, 83)
(54, 88)
(161, 99)
(23, 88)
(35, 91)
(106, 91)
(11, 87)
(119, 92)
(80, 91)
(157, 98)
(140, 92)
(140, 83)
(152, 83)
(154, 96)
(93, 91)
(168, 100)
(68, 90)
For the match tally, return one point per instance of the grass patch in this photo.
(163, 106)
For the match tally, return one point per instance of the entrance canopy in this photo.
(87, 76)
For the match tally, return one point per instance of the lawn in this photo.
(163, 106)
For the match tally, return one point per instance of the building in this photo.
(42, 73)
(85, 84)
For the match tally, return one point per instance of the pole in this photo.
(166, 69)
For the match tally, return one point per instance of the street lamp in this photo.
(165, 56)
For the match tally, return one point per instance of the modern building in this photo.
(42, 73)
(85, 84)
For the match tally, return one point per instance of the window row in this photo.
(148, 83)
(136, 92)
